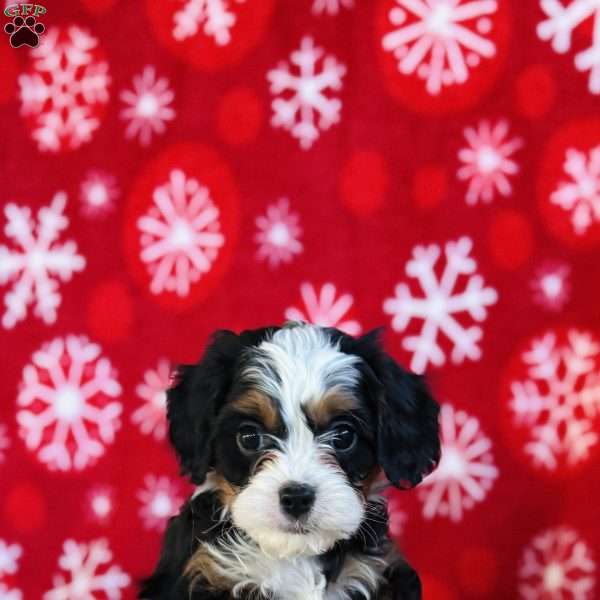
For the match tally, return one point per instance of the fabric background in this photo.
(397, 181)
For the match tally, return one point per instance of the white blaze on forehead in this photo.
(298, 365)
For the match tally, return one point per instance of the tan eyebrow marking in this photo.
(257, 404)
(334, 403)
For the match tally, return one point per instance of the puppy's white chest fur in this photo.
(293, 578)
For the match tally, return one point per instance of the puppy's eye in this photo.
(250, 438)
(345, 437)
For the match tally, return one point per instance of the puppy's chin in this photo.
(281, 544)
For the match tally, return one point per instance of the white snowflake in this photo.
(97, 193)
(10, 594)
(151, 417)
(9, 557)
(88, 573)
(4, 441)
(101, 503)
(9, 565)
(180, 234)
(324, 309)
(65, 89)
(36, 261)
(580, 196)
(557, 564)
(433, 39)
(487, 161)
(560, 398)
(278, 234)
(551, 287)
(397, 517)
(160, 500)
(149, 106)
(559, 27)
(304, 107)
(443, 299)
(466, 471)
(214, 16)
(69, 414)
(331, 7)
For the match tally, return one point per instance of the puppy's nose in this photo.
(296, 499)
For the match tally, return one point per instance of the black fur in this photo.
(197, 522)
(195, 400)
(403, 440)
(408, 444)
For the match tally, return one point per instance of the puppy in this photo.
(285, 431)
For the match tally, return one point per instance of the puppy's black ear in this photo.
(408, 444)
(194, 401)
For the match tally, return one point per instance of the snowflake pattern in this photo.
(9, 558)
(442, 301)
(151, 416)
(466, 471)
(558, 28)
(560, 398)
(148, 106)
(581, 196)
(97, 194)
(305, 105)
(487, 161)
(9, 594)
(180, 234)
(324, 309)
(432, 39)
(278, 234)
(551, 287)
(100, 503)
(87, 574)
(36, 261)
(65, 89)
(397, 517)
(160, 500)
(4, 441)
(9, 565)
(69, 413)
(557, 564)
(214, 16)
(330, 7)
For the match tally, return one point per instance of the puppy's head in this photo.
(293, 424)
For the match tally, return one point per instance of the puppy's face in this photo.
(295, 443)
(294, 433)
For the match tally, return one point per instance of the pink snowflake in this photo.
(160, 500)
(487, 161)
(396, 516)
(150, 416)
(4, 441)
(97, 193)
(101, 503)
(68, 409)
(148, 107)
(278, 233)
(64, 93)
(324, 309)
(551, 286)
(557, 565)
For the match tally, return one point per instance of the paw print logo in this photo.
(24, 32)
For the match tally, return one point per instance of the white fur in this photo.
(296, 366)
(247, 569)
